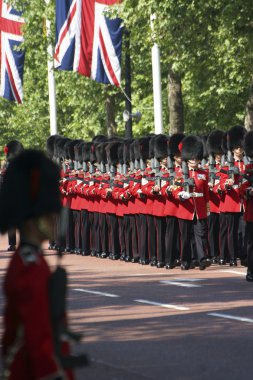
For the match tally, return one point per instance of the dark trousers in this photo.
(91, 219)
(160, 226)
(104, 233)
(249, 232)
(122, 235)
(70, 240)
(200, 229)
(171, 240)
(77, 228)
(242, 239)
(95, 234)
(128, 236)
(138, 234)
(229, 225)
(151, 237)
(143, 250)
(134, 236)
(85, 231)
(113, 228)
(214, 234)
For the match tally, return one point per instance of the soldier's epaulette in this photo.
(28, 254)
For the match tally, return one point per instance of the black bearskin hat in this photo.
(86, 151)
(30, 189)
(77, 148)
(12, 149)
(70, 149)
(120, 153)
(100, 153)
(203, 138)
(160, 146)
(112, 153)
(99, 139)
(136, 148)
(151, 146)
(79, 151)
(235, 137)
(132, 156)
(59, 150)
(173, 147)
(214, 142)
(248, 144)
(126, 150)
(144, 147)
(224, 142)
(192, 148)
(50, 145)
(93, 157)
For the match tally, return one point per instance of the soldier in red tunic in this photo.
(214, 148)
(194, 203)
(29, 201)
(231, 204)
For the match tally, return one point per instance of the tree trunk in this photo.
(175, 103)
(248, 122)
(110, 116)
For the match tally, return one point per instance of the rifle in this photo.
(188, 182)
(157, 172)
(212, 170)
(232, 169)
(171, 169)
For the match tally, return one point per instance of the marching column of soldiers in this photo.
(159, 200)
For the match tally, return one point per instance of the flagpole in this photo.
(157, 87)
(51, 80)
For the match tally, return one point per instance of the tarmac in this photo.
(144, 323)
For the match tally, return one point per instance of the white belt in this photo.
(235, 186)
(196, 195)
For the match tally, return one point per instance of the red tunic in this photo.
(196, 205)
(27, 321)
(231, 199)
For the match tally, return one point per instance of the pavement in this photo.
(140, 322)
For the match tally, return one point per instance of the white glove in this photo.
(184, 195)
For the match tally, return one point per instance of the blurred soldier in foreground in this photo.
(29, 201)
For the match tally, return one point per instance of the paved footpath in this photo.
(143, 323)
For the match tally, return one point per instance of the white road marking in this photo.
(167, 306)
(147, 274)
(188, 279)
(182, 284)
(233, 272)
(226, 316)
(96, 292)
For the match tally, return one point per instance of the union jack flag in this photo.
(87, 40)
(12, 60)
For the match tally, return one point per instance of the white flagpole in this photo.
(157, 87)
(51, 81)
